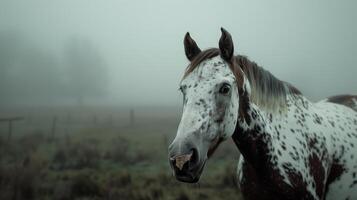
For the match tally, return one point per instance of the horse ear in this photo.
(226, 45)
(191, 48)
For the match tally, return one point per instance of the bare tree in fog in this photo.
(87, 71)
(27, 72)
(10, 44)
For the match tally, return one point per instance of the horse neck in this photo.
(251, 135)
(254, 132)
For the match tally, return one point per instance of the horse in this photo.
(291, 148)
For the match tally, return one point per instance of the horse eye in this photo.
(225, 88)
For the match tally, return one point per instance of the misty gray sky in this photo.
(311, 44)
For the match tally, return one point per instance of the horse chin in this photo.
(188, 179)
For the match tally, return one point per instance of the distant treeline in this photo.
(29, 72)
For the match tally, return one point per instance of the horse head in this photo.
(211, 89)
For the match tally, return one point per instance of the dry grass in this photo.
(107, 162)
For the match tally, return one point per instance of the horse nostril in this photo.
(181, 160)
(186, 161)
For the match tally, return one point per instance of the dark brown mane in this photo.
(346, 100)
(267, 90)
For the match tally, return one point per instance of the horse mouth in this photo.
(192, 176)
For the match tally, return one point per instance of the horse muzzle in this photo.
(186, 166)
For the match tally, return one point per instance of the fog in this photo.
(130, 53)
(89, 98)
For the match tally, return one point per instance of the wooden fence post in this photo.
(10, 131)
(68, 122)
(10, 120)
(132, 117)
(53, 129)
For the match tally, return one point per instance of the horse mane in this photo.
(267, 91)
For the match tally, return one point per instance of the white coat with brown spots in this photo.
(290, 147)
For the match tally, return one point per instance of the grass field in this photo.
(103, 153)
